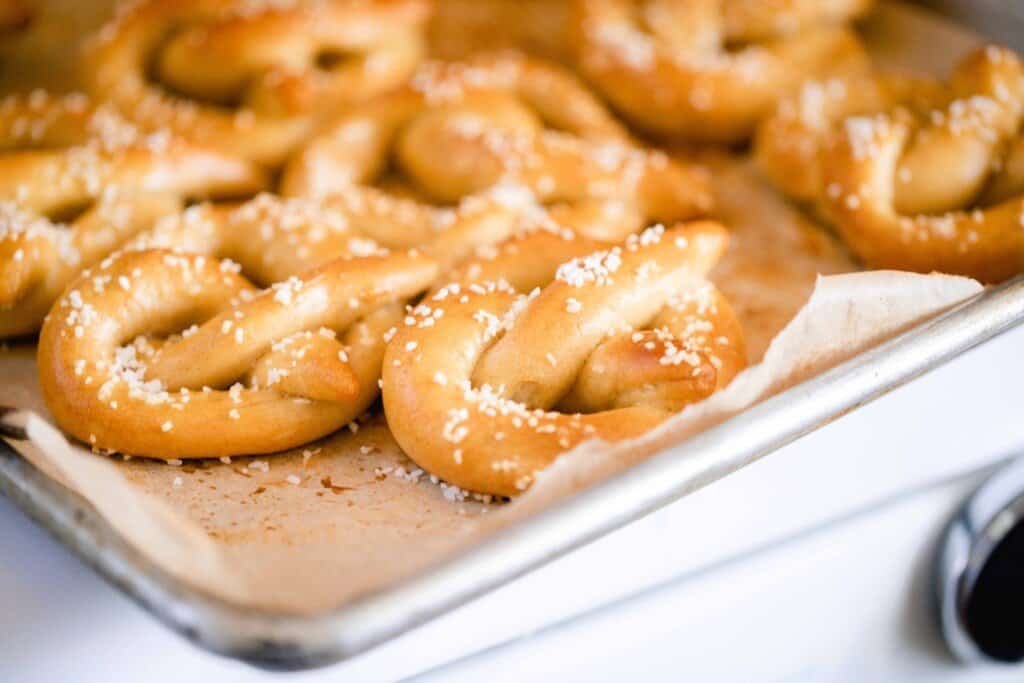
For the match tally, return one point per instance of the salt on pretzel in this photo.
(273, 238)
(77, 181)
(525, 261)
(250, 77)
(788, 143)
(459, 129)
(943, 191)
(481, 384)
(467, 133)
(270, 237)
(245, 372)
(666, 66)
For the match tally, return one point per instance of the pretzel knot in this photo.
(247, 76)
(665, 65)
(77, 181)
(939, 188)
(165, 355)
(460, 129)
(484, 387)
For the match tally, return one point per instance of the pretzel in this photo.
(459, 129)
(664, 64)
(255, 372)
(482, 384)
(76, 181)
(942, 191)
(249, 77)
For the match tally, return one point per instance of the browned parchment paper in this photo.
(360, 518)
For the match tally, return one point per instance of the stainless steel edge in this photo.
(287, 641)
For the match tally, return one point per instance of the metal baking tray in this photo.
(283, 641)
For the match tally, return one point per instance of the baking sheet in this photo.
(357, 521)
(355, 524)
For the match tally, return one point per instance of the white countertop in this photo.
(850, 602)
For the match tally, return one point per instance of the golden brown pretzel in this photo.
(665, 65)
(246, 372)
(249, 77)
(459, 129)
(939, 189)
(476, 381)
(76, 181)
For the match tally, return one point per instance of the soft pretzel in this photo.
(482, 384)
(249, 77)
(245, 372)
(940, 190)
(666, 66)
(76, 181)
(459, 129)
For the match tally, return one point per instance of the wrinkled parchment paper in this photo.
(357, 520)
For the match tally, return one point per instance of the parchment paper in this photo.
(357, 521)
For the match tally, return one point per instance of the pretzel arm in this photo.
(332, 297)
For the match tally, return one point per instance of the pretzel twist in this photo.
(76, 182)
(244, 371)
(250, 77)
(664, 64)
(460, 129)
(934, 181)
(481, 384)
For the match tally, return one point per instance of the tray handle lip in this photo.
(284, 641)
